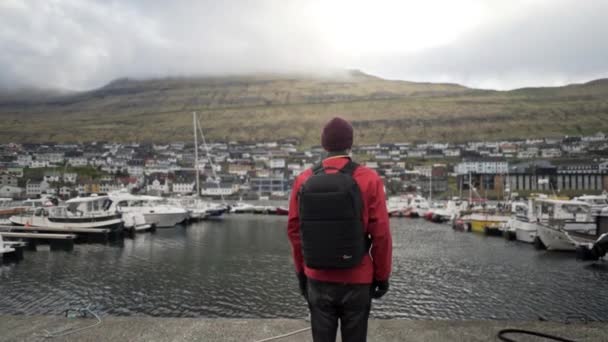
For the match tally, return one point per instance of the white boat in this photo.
(557, 218)
(407, 205)
(199, 209)
(242, 207)
(419, 206)
(79, 212)
(155, 210)
(522, 223)
(447, 213)
(397, 206)
(597, 202)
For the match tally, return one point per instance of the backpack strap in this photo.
(318, 169)
(350, 167)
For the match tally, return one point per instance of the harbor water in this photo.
(241, 268)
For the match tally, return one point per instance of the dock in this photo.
(63, 242)
(11, 251)
(90, 235)
(32, 328)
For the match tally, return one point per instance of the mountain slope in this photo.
(267, 107)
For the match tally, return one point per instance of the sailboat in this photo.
(198, 208)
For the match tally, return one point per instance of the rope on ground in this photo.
(283, 336)
(70, 331)
(529, 332)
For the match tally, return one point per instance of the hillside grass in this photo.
(233, 109)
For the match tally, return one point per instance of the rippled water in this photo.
(241, 267)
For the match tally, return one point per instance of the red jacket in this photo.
(374, 266)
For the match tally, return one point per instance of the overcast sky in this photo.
(83, 44)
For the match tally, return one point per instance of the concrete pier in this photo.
(32, 328)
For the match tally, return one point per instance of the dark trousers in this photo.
(330, 302)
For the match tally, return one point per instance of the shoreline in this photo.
(139, 328)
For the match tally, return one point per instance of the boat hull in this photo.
(165, 220)
(525, 232)
(522, 229)
(487, 224)
(555, 240)
(111, 222)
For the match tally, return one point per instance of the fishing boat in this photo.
(591, 247)
(448, 213)
(597, 202)
(398, 206)
(199, 209)
(156, 210)
(242, 208)
(521, 226)
(488, 222)
(557, 219)
(407, 206)
(264, 209)
(419, 206)
(79, 212)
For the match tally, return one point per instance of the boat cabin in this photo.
(83, 207)
(561, 210)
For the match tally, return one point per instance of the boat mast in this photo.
(198, 189)
(470, 189)
(431, 185)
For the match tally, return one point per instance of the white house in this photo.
(35, 164)
(77, 161)
(451, 152)
(277, 163)
(52, 176)
(109, 187)
(158, 187)
(10, 191)
(526, 154)
(36, 188)
(482, 167)
(24, 160)
(223, 189)
(183, 188)
(135, 170)
(551, 153)
(70, 177)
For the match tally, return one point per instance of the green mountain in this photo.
(268, 107)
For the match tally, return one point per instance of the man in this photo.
(340, 238)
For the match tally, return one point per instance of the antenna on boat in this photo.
(198, 186)
(431, 185)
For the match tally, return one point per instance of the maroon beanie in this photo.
(337, 135)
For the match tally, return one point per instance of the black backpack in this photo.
(331, 222)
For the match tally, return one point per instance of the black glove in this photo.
(303, 283)
(379, 288)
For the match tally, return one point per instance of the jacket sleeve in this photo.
(378, 227)
(293, 228)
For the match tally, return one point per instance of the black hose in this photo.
(528, 332)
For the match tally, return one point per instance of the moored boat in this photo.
(556, 219)
(242, 208)
(79, 212)
(488, 223)
(597, 202)
(8, 207)
(282, 211)
(155, 210)
(521, 226)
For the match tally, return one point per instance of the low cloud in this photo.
(82, 44)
